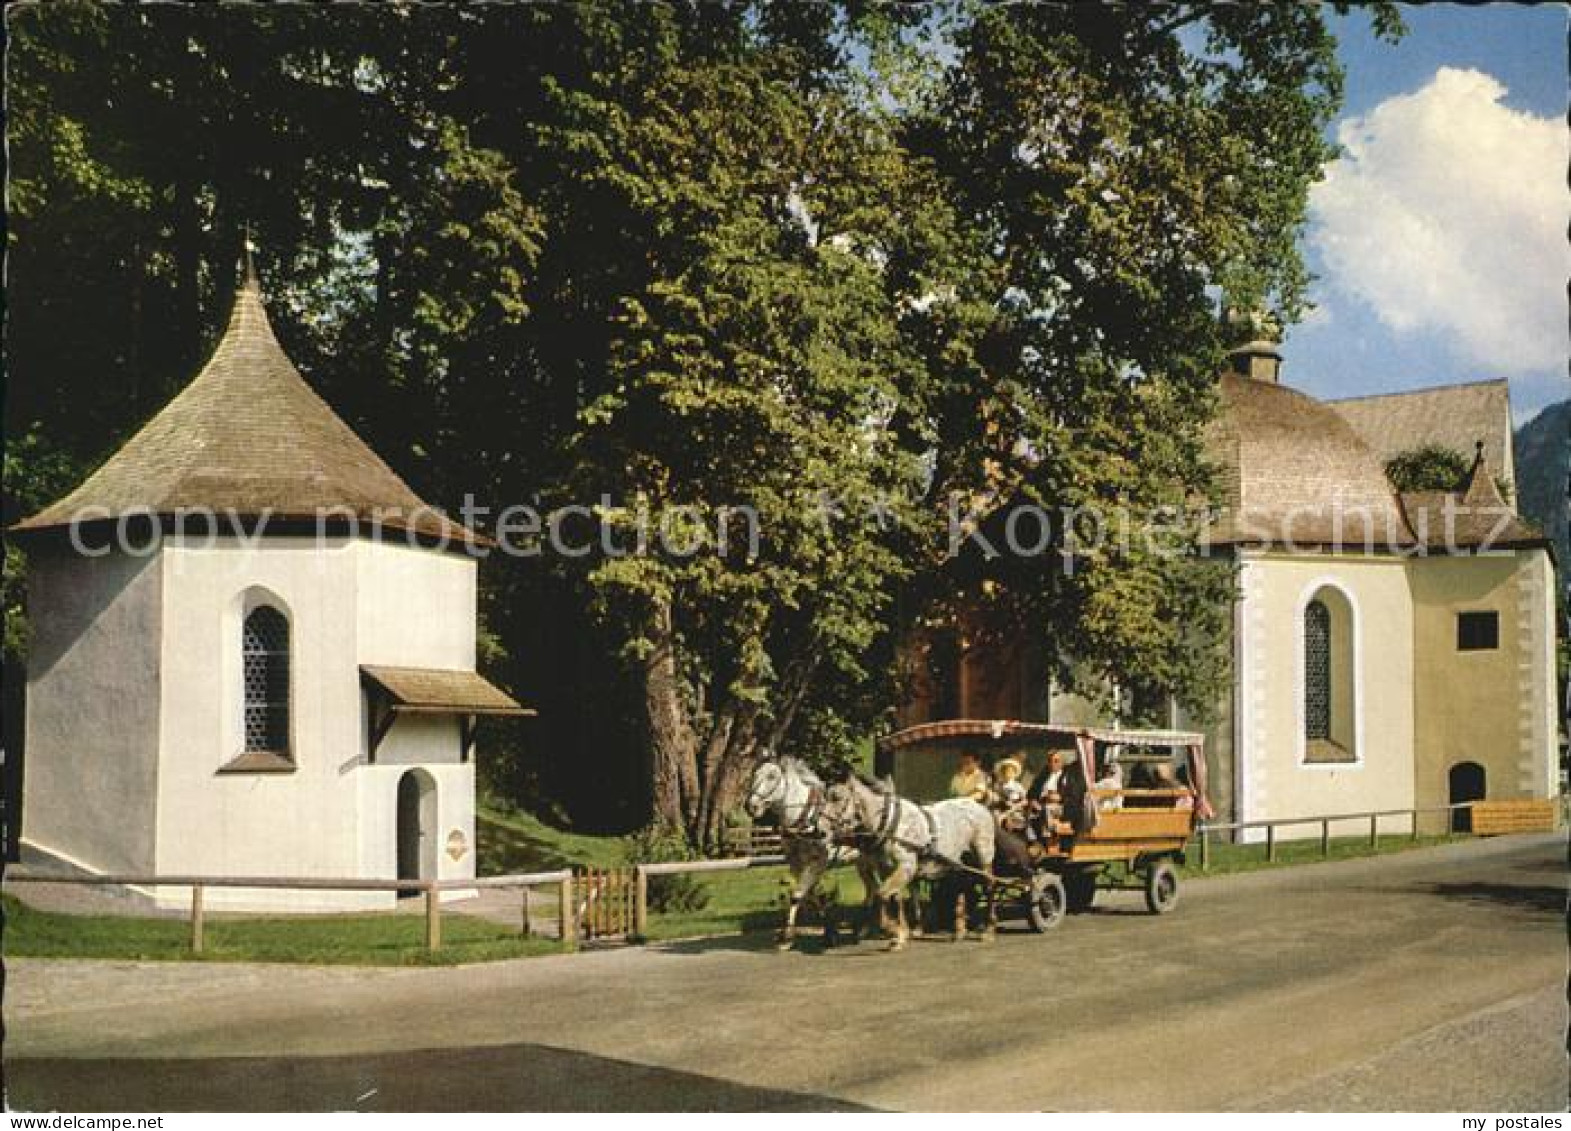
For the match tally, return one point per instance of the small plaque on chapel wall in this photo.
(456, 845)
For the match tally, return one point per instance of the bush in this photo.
(655, 845)
(1431, 467)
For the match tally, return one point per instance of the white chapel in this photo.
(253, 651)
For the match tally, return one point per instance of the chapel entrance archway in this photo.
(416, 827)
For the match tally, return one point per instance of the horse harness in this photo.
(806, 823)
(889, 820)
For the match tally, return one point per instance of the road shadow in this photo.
(811, 944)
(516, 1077)
(1526, 897)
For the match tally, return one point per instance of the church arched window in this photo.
(266, 668)
(1317, 670)
(1330, 675)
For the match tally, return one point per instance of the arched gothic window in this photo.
(1330, 673)
(1317, 671)
(266, 666)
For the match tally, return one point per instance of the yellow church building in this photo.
(1389, 650)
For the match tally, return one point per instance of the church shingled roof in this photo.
(249, 438)
(1292, 470)
(1457, 417)
(1299, 471)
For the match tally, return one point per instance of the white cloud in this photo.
(1448, 215)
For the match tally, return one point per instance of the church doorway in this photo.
(1467, 784)
(416, 827)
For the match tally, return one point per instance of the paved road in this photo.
(1433, 980)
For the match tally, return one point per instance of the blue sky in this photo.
(1440, 242)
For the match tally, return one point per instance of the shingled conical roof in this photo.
(248, 436)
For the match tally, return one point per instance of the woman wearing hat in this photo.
(1011, 794)
(1011, 797)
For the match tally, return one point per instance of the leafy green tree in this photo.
(836, 264)
(1120, 168)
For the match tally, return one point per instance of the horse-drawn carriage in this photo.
(1126, 836)
(1090, 835)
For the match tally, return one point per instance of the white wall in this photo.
(1272, 780)
(432, 625)
(300, 823)
(136, 707)
(1539, 727)
(90, 785)
(335, 815)
(414, 608)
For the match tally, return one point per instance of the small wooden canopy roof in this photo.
(1058, 733)
(440, 691)
(249, 437)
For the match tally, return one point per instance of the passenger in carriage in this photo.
(1009, 807)
(1153, 776)
(1044, 787)
(1112, 779)
(1044, 795)
(1168, 778)
(971, 779)
(1006, 784)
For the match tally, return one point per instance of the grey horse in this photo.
(927, 841)
(788, 789)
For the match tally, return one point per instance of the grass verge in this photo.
(1226, 859)
(515, 841)
(371, 940)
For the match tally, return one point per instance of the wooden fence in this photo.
(612, 903)
(1518, 815)
(753, 840)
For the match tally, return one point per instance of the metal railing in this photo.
(1203, 832)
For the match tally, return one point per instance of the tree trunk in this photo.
(673, 744)
(699, 772)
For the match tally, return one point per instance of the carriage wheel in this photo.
(1080, 887)
(1045, 902)
(1161, 887)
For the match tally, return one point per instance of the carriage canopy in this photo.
(1045, 734)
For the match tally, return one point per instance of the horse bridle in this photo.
(806, 822)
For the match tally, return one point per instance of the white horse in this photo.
(789, 790)
(927, 841)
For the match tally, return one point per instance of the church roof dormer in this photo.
(248, 438)
(1479, 489)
